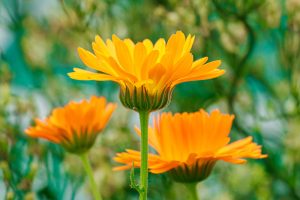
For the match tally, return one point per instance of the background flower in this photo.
(76, 125)
(189, 144)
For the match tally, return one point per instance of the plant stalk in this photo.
(192, 187)
(89, 171)
(144, 120)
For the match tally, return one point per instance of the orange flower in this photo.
(188, 145)
(76, 125)
(147, 73)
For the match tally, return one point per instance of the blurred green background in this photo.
(258, 42)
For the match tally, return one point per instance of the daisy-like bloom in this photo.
(146, 72)
(76, 125)
(188, 145)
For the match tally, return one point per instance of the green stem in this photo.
(144, 119)
(192, 187)
(89, 171)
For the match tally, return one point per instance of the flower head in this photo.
(146, 72)
(188, 145)
(76, 125)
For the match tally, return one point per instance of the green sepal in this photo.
(140, 99)
(196, 172)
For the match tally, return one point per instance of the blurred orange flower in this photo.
(76, 125)
(189, 144)
(146, 72)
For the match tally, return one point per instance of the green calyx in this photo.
(196, 172)
(80, 142)
(140, 99)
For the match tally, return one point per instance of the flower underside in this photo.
(145, 70)
(189, 144)
(76, 125)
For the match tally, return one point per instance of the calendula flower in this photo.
(76, 125)
(147, 73)
(188, 145)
